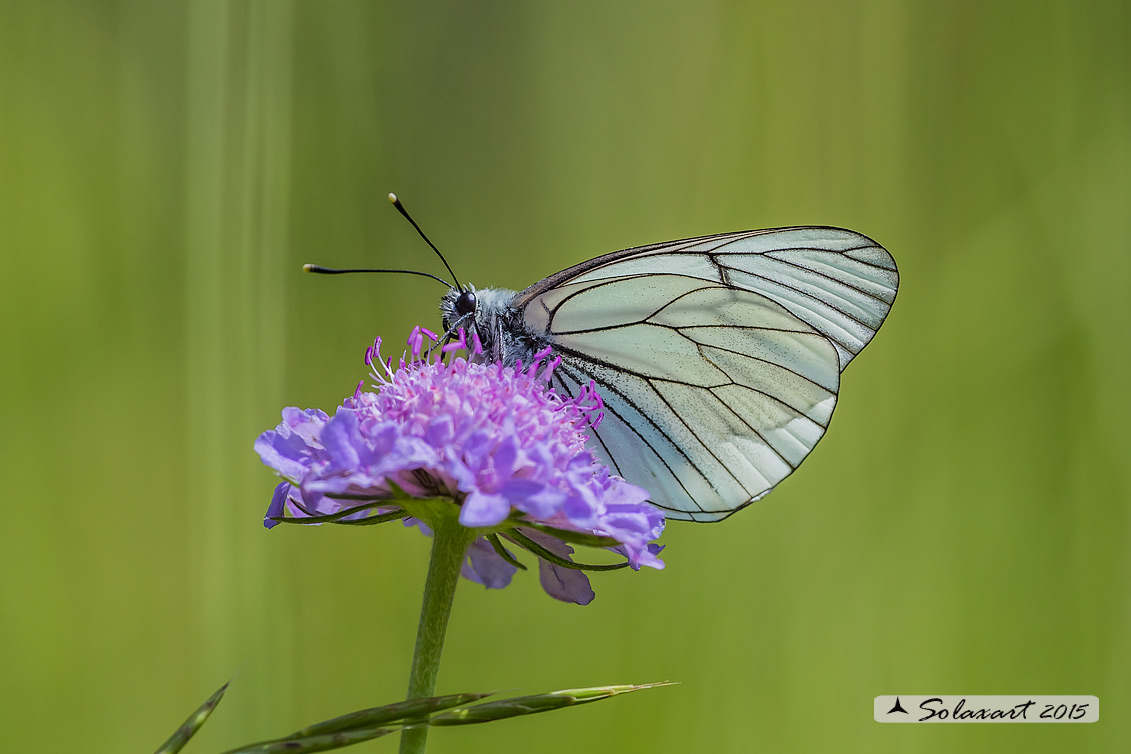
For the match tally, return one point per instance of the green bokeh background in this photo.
(165, 169)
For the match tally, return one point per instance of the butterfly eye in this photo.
(465, 304)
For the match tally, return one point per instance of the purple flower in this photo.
(495, 440)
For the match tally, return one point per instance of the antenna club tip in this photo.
(308, 268)
(393, 198)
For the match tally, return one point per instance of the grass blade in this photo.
(327, 742)
(190, 726)
(390, 713)
(529, 705)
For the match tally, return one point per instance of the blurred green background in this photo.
(165, 169)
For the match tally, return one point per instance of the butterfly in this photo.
(718, 358)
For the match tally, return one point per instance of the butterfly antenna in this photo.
(400, 208)
(332, 271)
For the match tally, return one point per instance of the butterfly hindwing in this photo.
(718, 358)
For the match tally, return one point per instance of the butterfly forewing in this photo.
(718, 358)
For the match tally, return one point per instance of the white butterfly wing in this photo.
(718, 358)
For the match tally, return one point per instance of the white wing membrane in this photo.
(718, 358)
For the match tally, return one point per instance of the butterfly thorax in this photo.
(503, 333)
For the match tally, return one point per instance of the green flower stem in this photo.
(450, 541)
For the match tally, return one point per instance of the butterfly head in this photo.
(465, 304)
(487, 313)
(459, 308)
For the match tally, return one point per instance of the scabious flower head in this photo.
(495, 440)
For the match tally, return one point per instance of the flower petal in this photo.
(487, 567)
(278, 500)
(565, 584)
(342, 440)
(533, 498)
(285, 452)
(484, 509)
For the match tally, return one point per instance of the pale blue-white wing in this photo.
(838, 281)
(718, 358)
(708, 413)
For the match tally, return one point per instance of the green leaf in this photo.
(190, 726)
(411, 710)
(359, 496)
(326, 742)
(329, 517)
(528, 705)
(379, 519)
(502, 552)
(399, 495)
(359, 726)
(572, 537)
(526, 542)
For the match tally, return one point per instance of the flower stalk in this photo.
(450, 540)
(472, 453)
